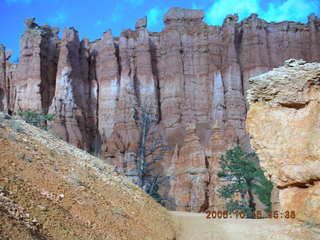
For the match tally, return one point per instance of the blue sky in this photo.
(92, 17)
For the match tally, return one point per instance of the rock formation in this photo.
(190, 178)
(50, 189)
(74, 99)
(194, 75)
(283, 122)
(34, 80)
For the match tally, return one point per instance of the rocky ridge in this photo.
(196, 76)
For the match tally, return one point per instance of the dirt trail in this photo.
(195, 226)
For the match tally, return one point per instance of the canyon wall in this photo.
(283, 122)
(195, 75)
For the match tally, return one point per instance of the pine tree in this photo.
(245, 178)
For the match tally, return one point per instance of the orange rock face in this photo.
(194, 74)
(283, 122)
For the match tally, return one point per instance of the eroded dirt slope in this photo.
(52, 190)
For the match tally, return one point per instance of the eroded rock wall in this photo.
(194, 74)
(283, 122)
(75, 98)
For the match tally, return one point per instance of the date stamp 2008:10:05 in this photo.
(258, 214)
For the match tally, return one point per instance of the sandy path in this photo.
(195, 226)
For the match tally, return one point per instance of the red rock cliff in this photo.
(195, 74)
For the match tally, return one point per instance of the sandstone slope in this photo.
(283, 122)
(52, 190)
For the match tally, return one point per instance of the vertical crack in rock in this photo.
(3, 90)
(155, 72)
(237, 43)
(181, 103)
(49, 54)
(116, 46)
(90, 94)
(218, 106)
(94, 97)
(267, 47)
(204, 207)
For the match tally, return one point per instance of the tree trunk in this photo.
(142, 151)
(252, 205)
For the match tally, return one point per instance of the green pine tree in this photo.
(244, 177)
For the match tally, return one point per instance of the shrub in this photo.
(36, 119)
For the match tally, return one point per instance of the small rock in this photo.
(42, 207)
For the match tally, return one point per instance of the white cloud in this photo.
(198, 6)
(221, 8)
(58, 18)
(295, 10)
(155, 18)
(195, 6)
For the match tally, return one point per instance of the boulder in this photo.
(283, 123)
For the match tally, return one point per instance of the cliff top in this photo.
(181, 19)
(285, 85)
